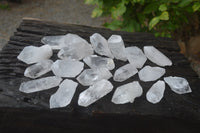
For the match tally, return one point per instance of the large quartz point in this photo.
(94, 61)
(53, 41)
(90, 76)
(156, 56)
(38, 69)
(156, 92)
(32, 54)
(67, 68)
(40, 84)
(135, 56)
(100, 45)
(95, 92)
(125, 72)
(178, 85)
(116, 45)
(127, 93)
(149, 73)
(64, 94)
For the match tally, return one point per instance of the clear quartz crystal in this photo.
(38, 69)
(33, 54)
(135, 56)
(53, 41)
(100, 45)
(90, 76)
(178, 84)
(116, 45)
(94, 61)
(127, 93)
(125, 72)
(40, 84)
(156, 56)
(149, 73)
(64, 94)
(95, 92)
(156, 92)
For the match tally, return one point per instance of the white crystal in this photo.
(127, 93)
(95, 92)
(90, 76)
(156, 56)
(116, 45)
(100, 45)
(67, 68)
(38, 69)
(149, 73)
(156, 92)
(135, 56)
(124, 72)
(53, 41)
(64, 94)
(178, 85)
(40, 84)
(32, 54)
(94, 61)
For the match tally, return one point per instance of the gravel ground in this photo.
(67, 11)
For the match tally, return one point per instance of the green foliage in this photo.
(161, 17)
(4, 6)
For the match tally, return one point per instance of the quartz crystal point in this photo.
(135, 56)
(95, 92)
(156, 92)
(94, 61)
(127, 93)
(156, 56)
(100, 45)
(178, 85)
(67, 68)
(124, 72)
(64, 94)
(32, 54)
(116, 45)
(90, 76)
(53, 41)
(40, 84)
(149, 73)
(38, 69)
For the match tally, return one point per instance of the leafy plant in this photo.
(161, 17)
(4, 6)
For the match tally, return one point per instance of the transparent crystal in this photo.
(95, 92)
(178, 85)
(40, 84)
(156, 92)
(64, 94)
(67, 68)
(127, 93)
(53, 41)
(32, 54)
(38, 69)
(125, 72)
(156, 56)
(135, 56)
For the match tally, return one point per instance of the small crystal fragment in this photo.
(32, 54)
(178, 85)
(67, 68)
(156, 92)
(90, 76)
(94, 61)
(95, 92)
(64, 94)
(53, 41)
(149, 73)
(38, 69)
(127, 93)
(156, 56)
(100, 45)
(40, 84)
(116, 45)
(135, 56)
(124, 72)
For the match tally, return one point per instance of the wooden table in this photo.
(30, 112)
